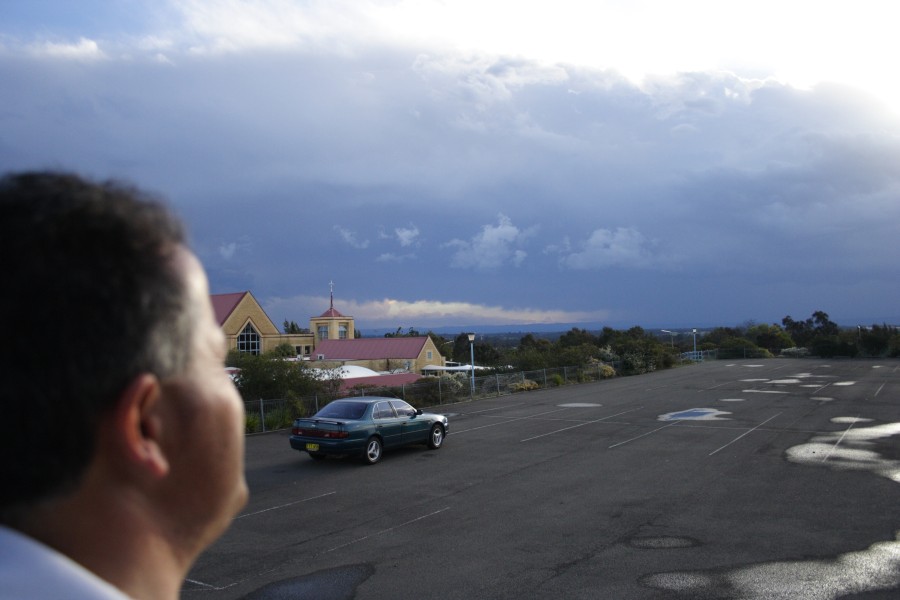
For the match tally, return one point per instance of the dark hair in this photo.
(90, 300)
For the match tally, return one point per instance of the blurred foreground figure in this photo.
(122, 435)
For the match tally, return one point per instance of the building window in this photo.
(342, 331)
(323, 332)
(248, 341)
(429, 355)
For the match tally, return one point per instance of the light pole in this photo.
(472, 350)
(671, 334)
(695, 344)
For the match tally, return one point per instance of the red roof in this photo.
(331, 312)
(370, 348)
(224, 304)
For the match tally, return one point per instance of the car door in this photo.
(415, 428)
(387, 424)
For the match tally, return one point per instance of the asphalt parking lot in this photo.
(747, 479)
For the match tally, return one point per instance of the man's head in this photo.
(101, 295)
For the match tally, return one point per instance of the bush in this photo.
(524, 386)
(607, 371)
(556, 379)
(251, 423)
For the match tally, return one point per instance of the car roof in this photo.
(365, 399)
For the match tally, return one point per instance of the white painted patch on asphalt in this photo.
(850, 420)
(822, 398)
(844, 383)
(870, 570)
(764, 392)
(731, 400)
(752, 380)
(873, 569)
(580, 405)
(784, 381)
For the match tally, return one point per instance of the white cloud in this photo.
(407, 236)
(624, 247)
(389, 311)
(84, 49)
(349, 237)
(494, 247)
(227, 251)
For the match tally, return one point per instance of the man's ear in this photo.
(138, 426)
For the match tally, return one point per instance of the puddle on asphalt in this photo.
(338, 583)
(873, 569)
(695, 414)
(580, 405)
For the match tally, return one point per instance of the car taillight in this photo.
(320, 433)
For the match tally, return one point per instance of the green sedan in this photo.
(365, 427)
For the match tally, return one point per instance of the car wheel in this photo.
(316, 455)
(373, 451)
(436, 437)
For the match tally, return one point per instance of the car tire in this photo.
(373, 451)
(316, 455)
(436, 437)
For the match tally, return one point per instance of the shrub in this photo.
(251, 423)
(607, 371)
(524, 386)
(556, 379)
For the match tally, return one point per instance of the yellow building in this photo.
(248, 328)
(330, 341)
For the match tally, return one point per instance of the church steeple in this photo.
(331, 312)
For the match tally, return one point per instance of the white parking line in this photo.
(581, 424)
(509, 421)
(265, 510)
(879, 390)
(388, 530)
(838, 443)
(645, 434)
(743, 434)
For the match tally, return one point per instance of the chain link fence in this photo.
(271, 415)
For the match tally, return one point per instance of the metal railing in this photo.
(271, 415)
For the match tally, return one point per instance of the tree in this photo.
(411, 332)
(292, 327)
(269, 376)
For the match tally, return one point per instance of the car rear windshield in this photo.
(343, 410)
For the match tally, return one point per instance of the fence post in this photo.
(262, 415)
(545, 377)
(497, 375)
(440, 400)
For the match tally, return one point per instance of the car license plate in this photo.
(312, 447)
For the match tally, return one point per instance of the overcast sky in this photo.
(451, 163)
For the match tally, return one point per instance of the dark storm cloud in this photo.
(467, 178)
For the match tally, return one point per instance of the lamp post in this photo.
(695, 344)
(472, 351)
(671, 334)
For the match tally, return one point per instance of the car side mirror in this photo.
(419, 411)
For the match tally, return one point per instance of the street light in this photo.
(671, 334)
(695, 344)
(472, 350)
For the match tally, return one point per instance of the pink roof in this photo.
(370, 348)
(224, 304)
